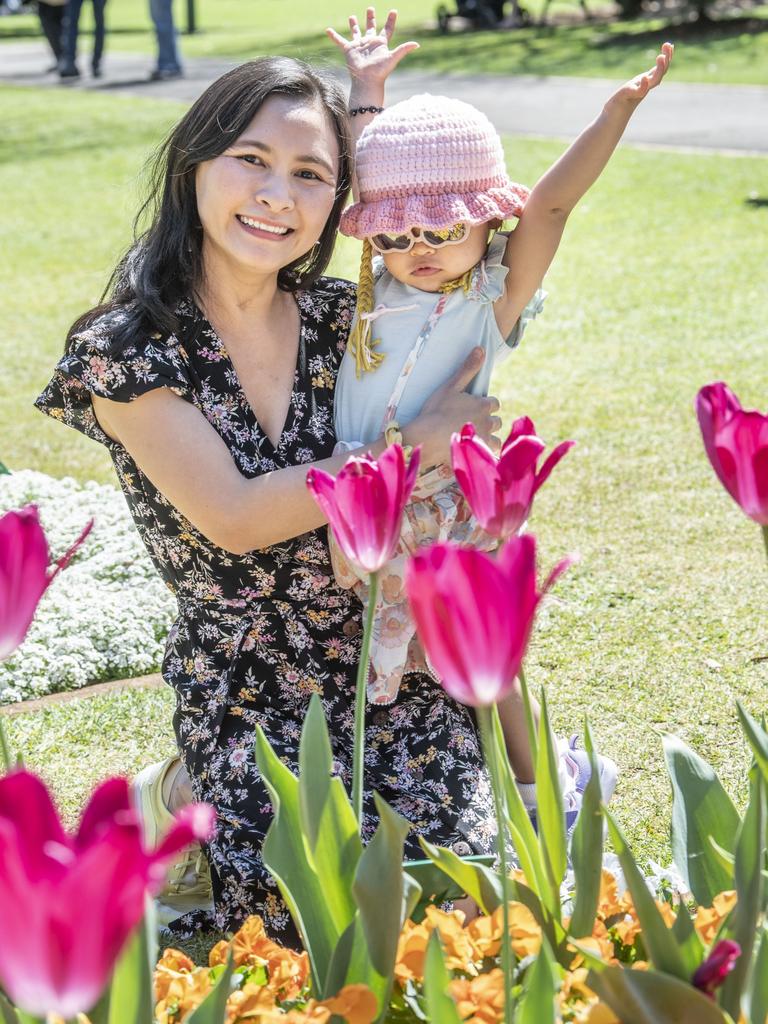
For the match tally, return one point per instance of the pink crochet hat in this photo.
(429, 162)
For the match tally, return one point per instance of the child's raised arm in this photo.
(369, 63)
(533, 244)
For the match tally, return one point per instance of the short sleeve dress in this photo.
(258, 634)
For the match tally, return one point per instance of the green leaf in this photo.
(477, 881)
(756, 737)
(757, 993)
(4, 471)
(379, 889)
(434, 885)
(551, 816)
(7, 1012)
(648, 997)
(524, 838)
(367, 950)
(131, 993)
(659, 941)
(284, 853)
(26, 1018)
(701, 811)
(441, 1009)
(213, 1009)
(741, 925)
(587, 848)
(688, 940)
(537, 1005)
(328, 823)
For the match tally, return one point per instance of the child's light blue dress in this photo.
(424, 337)
(400, 313)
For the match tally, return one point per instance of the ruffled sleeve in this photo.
(488, 285)
(91, 368)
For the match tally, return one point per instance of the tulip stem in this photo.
(530, 721)
(5, 752)
(361, 695)
(487, 735)
(765, 538)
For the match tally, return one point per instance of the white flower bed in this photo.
(106, 616)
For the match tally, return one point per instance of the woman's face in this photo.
(265, 201)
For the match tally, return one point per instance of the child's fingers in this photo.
(354, 28)
(389, 26)
(370, 19)
(404, 48)
(334, 36)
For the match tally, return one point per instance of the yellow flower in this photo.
(708, 919)
(485, 932)
(479, 1000)
(355, 1003)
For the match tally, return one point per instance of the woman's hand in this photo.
(367, 54)
(638, 88)
(447, 411)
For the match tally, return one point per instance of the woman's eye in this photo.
(249, 158)
(309, 175)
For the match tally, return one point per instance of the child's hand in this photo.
(369, 58)
(638, 88)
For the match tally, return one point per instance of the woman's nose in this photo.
(276, 193)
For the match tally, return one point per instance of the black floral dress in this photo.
(258, 634)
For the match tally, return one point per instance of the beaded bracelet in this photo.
(365, 110)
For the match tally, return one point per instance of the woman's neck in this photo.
(233, 295)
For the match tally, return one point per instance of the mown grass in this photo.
(658, 288)
(733, 48)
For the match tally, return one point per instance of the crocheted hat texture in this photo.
(430, 161)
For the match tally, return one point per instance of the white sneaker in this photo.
(188, 884)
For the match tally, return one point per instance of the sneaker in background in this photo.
(578, 762)
(188, 885)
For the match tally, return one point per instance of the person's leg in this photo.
(51, 17)
(167, 51)
(68, 66)
(99, 36)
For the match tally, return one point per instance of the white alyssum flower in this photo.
(106, 616)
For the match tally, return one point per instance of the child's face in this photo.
(428, 269)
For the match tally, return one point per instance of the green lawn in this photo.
(733, 50)
(658, 289)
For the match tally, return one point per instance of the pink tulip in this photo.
(500, 491)
(24, 572)
(69, 902)
(736, 441)
(364, 504)
(711, 974)
(474, 614)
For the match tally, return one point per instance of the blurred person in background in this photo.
(168, 63)
(68, 62)
(51, 14)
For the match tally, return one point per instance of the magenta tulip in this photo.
(500, 491)
(24, 572)
(736, 442)
(364, 504)
(474, 614)
(71, 901)
(711, 974)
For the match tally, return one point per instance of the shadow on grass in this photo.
(757, 202)
(688, 31)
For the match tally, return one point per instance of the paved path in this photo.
(729, 118)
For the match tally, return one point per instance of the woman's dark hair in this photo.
(165, 264)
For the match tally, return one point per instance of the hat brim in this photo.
(396, 214)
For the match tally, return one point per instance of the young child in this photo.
(431, 193)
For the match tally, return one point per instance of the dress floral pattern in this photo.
(258, 634)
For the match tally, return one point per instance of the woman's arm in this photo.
(369, 63)
(533, 244)
(180, 452)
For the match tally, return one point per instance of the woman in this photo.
(209, 375)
